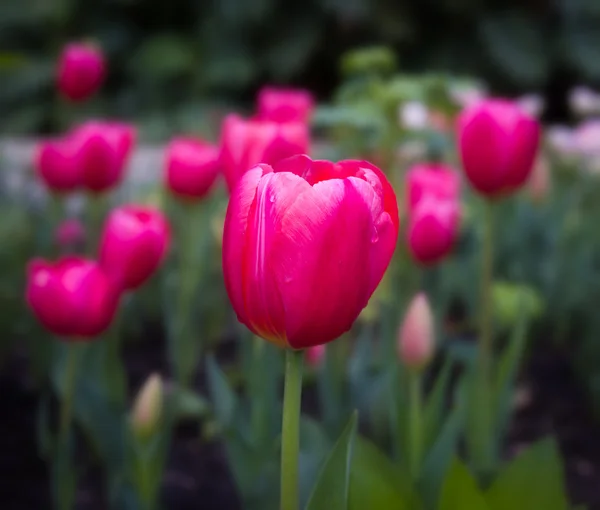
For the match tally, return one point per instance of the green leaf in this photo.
(460, 491)
(222, 396)
(188, 404)
(377, 483)
(162, 57)
(534, 479)
(333, 485)
(436, 402)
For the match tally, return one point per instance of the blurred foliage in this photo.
(170, 58)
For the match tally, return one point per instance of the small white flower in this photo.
(414, 115)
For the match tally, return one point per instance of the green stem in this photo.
(258, 397)
(290, 440)
(485, 460)
(66, 410)
(415, 423)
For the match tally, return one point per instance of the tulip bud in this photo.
(431, 178)
(147, 408)
(70, 234)
(284, 104)
(498, 146)
(81, 70)
(56, 165)
(314, 355)
(540, 182)
(416, 341)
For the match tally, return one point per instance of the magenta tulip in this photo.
(432, 178)
(70, 234)
(133, 244)
(72, 298)
(305, 244)
(191, 167)
(285, 104)
(246, 143)
(57, 166)
(498, 145)
(433, 229)
(81, 70)
(103, 150)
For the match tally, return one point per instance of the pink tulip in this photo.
(285, 104)
(431, 178)
(81, 70)
(191, 167)
(314, 355)
(305, 244)
(433, 229)
(133, 244)
(70, 233)
(416, 339)
(72, 298)
(103, 150)
(498, 145)
(56, 164)
(246, 143)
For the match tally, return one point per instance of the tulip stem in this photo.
(415, 423)
(66, 410)
(484, 438)
(290, 440)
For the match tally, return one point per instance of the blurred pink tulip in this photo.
(70, 233)
(305, 244)
(81, 70)
(72, 298)
(433, 229)
(431, 178)
(134, 242)
(246, 143)
(191, 167)
(498, 145)
(103, 150)
(56, 164)
(540, 182)
(416, 342)
(315, 355)
(285, 104)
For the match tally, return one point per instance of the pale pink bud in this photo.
(416, 341)
(147, 408)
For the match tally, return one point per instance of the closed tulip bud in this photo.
(305, 244)
(133, 244)
(435, 179)
(72, 298)
(314, 355)
(103, 150)
(191, 167)
(147, 409)
(498, 146)
(246, 143)
(416, 341)
(70, 234)
(56, 165)
(81, 71)
(285, 104)
(433, 229)
(540, 182)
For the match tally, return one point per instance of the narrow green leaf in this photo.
(188, 404)
(333, 485)
(436, 403)
(460, 491)
(534, 479)
(222, 396)
(377, 483)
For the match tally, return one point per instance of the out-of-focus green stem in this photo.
(415, 423)
(290, 431)
(258, 412)
(484, 451)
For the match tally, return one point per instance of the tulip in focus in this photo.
(285, 104)
(314, 355)
(72, 297)
(432, 178)
(246, 143)
(81, 70)
(56, 164)
(416, 341)
(191, 167)
(103, 150)
(70, 234)
(147, 408)
(305, 244)
(433, 229)
(134, 242)
(498, 146)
